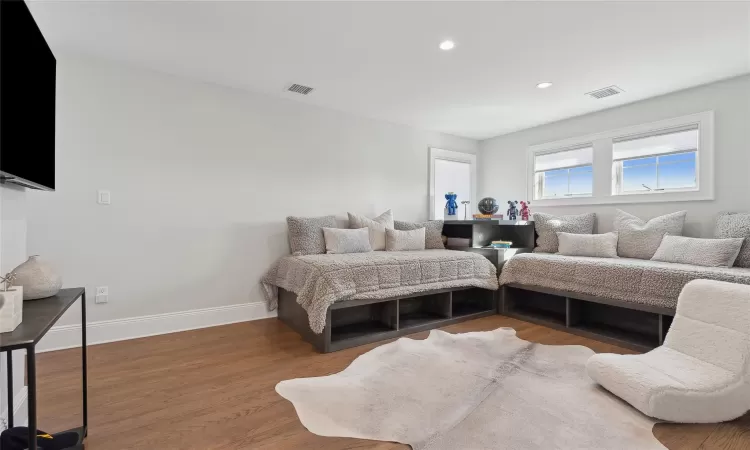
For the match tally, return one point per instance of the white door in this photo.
(452, 172)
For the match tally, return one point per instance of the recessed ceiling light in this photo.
(544, 85)
(447, 45)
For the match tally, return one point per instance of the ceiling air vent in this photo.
(299, 89)
(605, 92)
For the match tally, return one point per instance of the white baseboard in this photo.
(69, 336)
(20, 410)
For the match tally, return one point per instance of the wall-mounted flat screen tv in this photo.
(27, 100)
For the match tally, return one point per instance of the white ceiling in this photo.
(381, 59)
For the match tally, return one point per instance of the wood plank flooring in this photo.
(214, 389)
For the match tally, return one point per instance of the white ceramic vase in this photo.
(11, 308)
(38, 278)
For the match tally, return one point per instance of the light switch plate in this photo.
(105, 198)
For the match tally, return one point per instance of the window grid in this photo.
(541, 176)
(620, 174)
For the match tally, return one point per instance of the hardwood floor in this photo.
(214, 389)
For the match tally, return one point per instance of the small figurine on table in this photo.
(512, 210)
(466, 209)
(525, 210)
(451, 206)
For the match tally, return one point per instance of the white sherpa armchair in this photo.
(700, 374)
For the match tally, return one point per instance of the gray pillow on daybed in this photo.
(342, 240)
(736, 225)
(433, 233)
(547, 226)
(640, 239)
(306, 234)
(596, 245)
(376, 225)
(699, 252)
(402, 240)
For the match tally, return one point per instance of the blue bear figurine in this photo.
(451, 205)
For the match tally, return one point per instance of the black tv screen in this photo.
(27, 100)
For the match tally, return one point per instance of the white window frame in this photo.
(449, 155)
(538, 186)
(617, 167)
(604, 171)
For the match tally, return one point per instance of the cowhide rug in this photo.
(485, 390)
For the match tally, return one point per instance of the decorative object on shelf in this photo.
(488, 216)
(525, 210)
(501, 244)
(512, 210)
(11, 304)
(451, 206)
(38, 278)
(7, 281)
(466, 209)
(488, 205)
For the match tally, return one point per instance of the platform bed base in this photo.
(625, 324)
(352, 323)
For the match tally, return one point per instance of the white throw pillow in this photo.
(342, 240)
(598, 245)
(640, 239)
(377, 227)
(396, 240)
(699, 252)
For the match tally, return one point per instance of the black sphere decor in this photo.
(488, 205)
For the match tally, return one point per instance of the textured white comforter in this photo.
(635, 280)
(321, 280)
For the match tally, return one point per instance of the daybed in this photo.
(639, 281)
(626, 301)
(341, 300)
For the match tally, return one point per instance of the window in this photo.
(670, 160)
(564, 173)
(666, 161)
(451, 172)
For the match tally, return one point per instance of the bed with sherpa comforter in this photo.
(639, 281)
(321, 280)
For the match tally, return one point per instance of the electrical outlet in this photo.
(102, 294)
(104, 197)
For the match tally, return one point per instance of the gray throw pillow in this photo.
(735, 225)
(597, 245)
(433, 233)
(306, 234)
(397, 241)
(699, 252)
(640, 239)
(342, 240)
(377, 227)
(547, 226)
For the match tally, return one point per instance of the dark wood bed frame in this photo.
(356, 322)
(626, 324)
(351, 323)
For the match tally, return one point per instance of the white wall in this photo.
(502, 160)
(202, 178)
(12, 253)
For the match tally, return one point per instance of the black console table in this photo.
(38, 318)
(478, 234)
